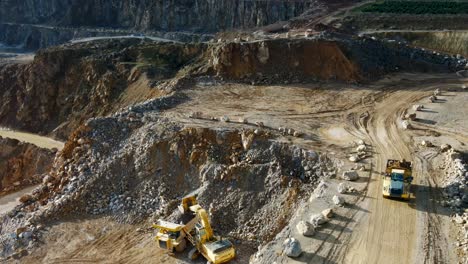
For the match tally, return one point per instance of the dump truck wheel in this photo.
(193, 254)
(181, 246)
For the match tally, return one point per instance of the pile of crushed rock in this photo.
(136, 166)
(456, 192)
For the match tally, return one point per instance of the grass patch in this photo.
(415, 7)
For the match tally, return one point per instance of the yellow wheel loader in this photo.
(397, 179)
(198, 232)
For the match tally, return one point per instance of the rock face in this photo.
(248, 60)
(336, 57)
(195, 15)
(66, 85)
(33, 37)
(22, 164)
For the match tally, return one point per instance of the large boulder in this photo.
(328, 213)
(292, 248)
(342, 188)
(445, 147)
(318, 219)
(418, 107)
(350, 175)
(305, 228)
(361, 148)
(406, 124)
(338, 200)
(410, 116)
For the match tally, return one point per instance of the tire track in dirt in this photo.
(432, 249)
(392, 226)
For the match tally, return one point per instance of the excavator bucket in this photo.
(186, 203)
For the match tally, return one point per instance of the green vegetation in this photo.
(415, 7)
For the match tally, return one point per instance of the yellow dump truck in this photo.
(170, 236)
(197, 231)
(397, 179)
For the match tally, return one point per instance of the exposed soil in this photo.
(22, 164)
(261, 129)
(362, 225)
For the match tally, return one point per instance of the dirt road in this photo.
(396, 231)
(40, 141)
(377, 230)
(9, 202)
(383, 230)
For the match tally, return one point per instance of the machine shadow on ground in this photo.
(420, 199)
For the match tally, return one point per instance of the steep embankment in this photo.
(198, 15)
(34, 37)
(64, 86)
(285, 60)
(37, 140)
(453, 42)
(31, 37)
(136, 165)
(371, 21)
(330, 57)
(22, 164)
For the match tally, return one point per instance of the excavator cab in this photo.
(219, 250)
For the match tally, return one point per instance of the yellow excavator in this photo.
(197, 231)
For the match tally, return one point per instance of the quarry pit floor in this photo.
(332, 117)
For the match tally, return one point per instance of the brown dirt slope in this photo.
(322, 60)
(66, 85)
(22, 164)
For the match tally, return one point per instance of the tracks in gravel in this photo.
(433, 252)
(412, 229)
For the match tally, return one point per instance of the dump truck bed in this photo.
(407, 166)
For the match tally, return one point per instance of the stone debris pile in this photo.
(455, 186)
(361, 152)
(289, 132)
(130, 170)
